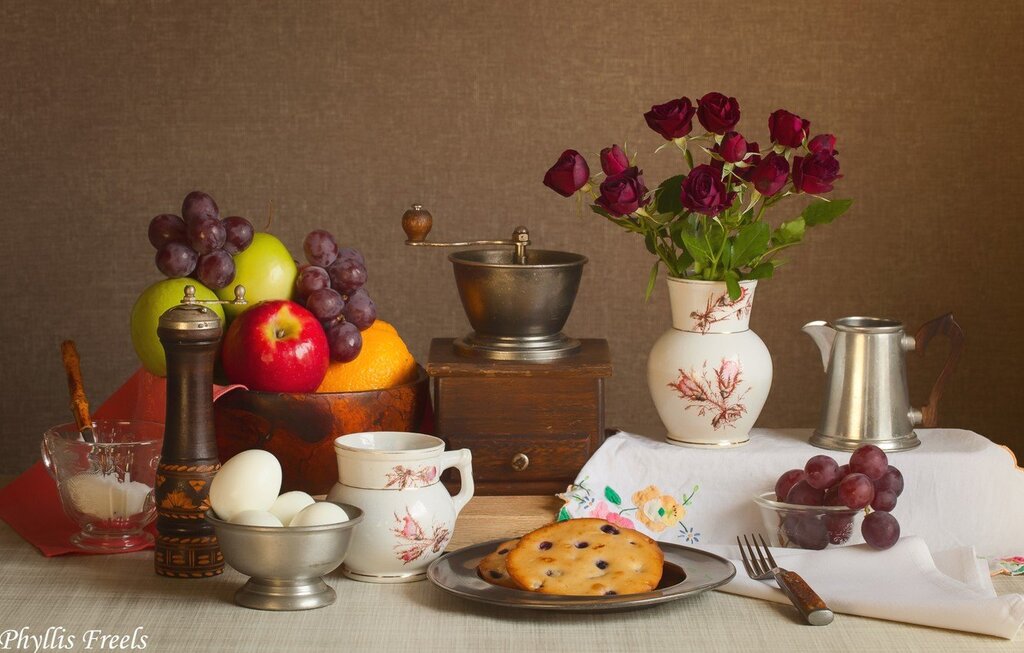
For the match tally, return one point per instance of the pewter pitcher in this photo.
(868, 401)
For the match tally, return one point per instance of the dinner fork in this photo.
(796, 588)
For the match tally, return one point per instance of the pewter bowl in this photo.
(285, 564)
(517, 310)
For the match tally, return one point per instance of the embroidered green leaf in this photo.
(611, 495)
(563, 515)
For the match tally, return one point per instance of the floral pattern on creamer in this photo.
(402, 477)
(722, 308)
(716, 394)
(414, 541)
(654, 509)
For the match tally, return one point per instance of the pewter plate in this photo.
(688, 572)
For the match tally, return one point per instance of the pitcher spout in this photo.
(823, 335)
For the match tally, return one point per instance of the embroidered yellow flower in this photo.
(657, 511)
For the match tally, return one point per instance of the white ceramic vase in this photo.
(709, 375)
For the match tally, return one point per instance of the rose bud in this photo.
(623, 193)
(718, 113)
(613, 160)
(569, 174)
(788, 129)
(674, 119)
(769, 176)
(745, 169)
(823, 143)
(703, 191)
(815, 173)
(733, 147)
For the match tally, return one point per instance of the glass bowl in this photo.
(808, 527)
(106, 486)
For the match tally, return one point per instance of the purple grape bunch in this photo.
(198, 243)
(330, 286)
(868, 482)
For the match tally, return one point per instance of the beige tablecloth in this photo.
(120, 595)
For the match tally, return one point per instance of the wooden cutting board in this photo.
(489, 518)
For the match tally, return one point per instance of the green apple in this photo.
(151, 304)
(267, 271)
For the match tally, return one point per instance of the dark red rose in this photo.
(718, 113)
(623, 193)
(787, 128)
(749, 163)
(769, 176)
(569, 174)
(815, 173)
(733, 147)
(674, 119)
(613, 160)
(703, 191)
(823, 143)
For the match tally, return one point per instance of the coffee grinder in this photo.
(524, 397)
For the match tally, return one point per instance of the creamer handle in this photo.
(462, 460)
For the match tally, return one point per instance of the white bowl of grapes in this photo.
(828, 503)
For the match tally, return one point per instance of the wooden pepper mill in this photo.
(186, 546)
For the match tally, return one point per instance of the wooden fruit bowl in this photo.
(300, 428)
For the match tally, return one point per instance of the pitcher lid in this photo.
(860, 324)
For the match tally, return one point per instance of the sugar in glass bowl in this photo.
(106, 486)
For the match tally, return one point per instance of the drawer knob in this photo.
(520, 461)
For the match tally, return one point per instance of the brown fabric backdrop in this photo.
(343, 113)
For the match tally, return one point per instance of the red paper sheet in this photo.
(30, 503)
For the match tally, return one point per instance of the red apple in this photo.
(276, 346)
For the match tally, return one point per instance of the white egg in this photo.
(289, 504)
(320, 513)
(250, 480)
(256, 518)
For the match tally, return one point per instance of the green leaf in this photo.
(667, 198)
(651, 280)
(789, 233)
(824, 211)
(649, 242)
(563, 515)
(716, 235)
(751, 241)
(611, 495)
(762, 271)
(675, 231)
(697, 248)
(601, 212)
(732, 282)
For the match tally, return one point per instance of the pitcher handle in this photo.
(947, 326)
(462, 460)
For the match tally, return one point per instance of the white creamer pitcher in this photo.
(409, 516)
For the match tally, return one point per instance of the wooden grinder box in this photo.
(530, 425)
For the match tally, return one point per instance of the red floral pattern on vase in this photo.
(714, 394)
(402, 477)
(722, 308)
(414, 541)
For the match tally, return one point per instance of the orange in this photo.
(383, 362)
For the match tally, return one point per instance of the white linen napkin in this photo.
(903, 583)
(961, 489)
